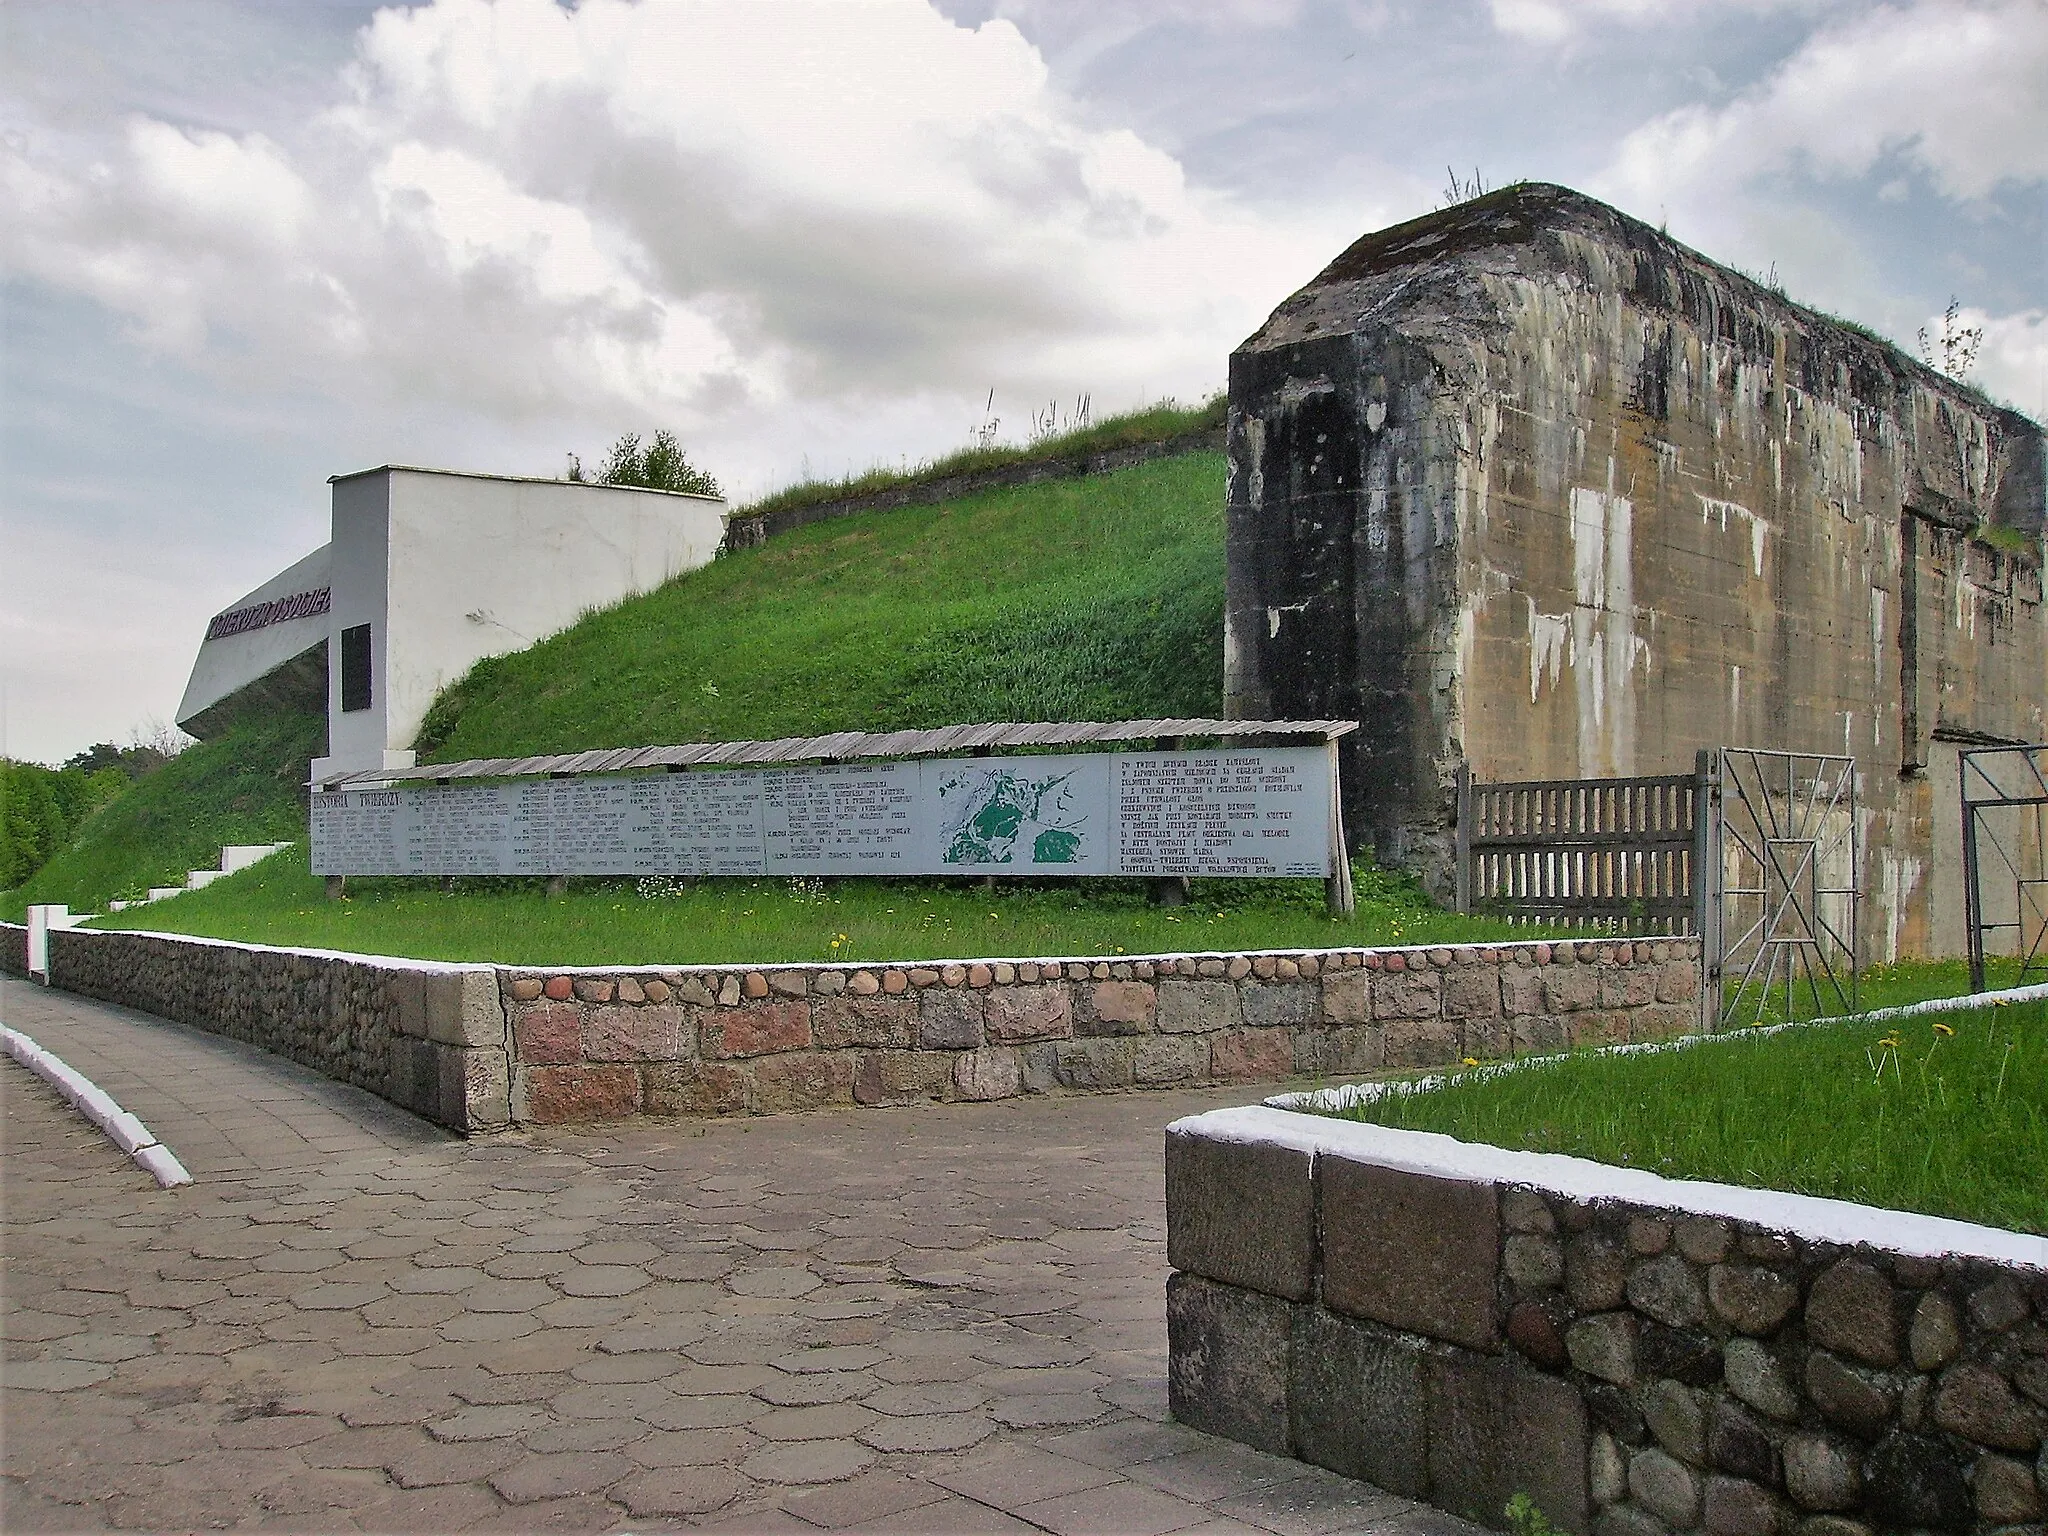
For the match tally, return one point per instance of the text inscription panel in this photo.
(1263, 812)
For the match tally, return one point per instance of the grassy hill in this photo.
(1075, 599)
(245, 787)
(1096, 598)
(1072, 599)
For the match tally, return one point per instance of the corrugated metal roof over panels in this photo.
(845, 746)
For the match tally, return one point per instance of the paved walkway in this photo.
(937, 1319)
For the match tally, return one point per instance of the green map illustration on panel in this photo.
(989, 811)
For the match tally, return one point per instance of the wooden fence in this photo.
(1614, 853)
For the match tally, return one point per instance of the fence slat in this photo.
(1614, 853)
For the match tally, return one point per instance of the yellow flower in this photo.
(1942, 1029)
(1471, 1061)
(1891, 1040)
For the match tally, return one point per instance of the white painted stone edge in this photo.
(1578, 1178)
(1431, 1153)
(1347, 1095)
(398, 962)
(737, 968)
(98, 1106)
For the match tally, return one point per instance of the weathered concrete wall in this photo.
(1528, 484)
(477, 1047)
(1638, 1368)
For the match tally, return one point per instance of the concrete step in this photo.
(241, 855)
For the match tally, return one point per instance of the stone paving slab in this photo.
(942, 1318)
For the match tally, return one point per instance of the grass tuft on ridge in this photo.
(1152, 424)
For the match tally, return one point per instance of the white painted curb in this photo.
(98, 1106)
(1347, 1095)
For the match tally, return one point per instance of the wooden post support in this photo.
(558, 885)
(337, 887)
(987, 883)
(1338, 894)
(1463, 874)
(1168, 890)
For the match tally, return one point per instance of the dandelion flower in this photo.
(1943, 1029)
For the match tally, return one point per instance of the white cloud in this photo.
(78, 623)
(1557, 21)
(1944, 95)
(2012, 364)
(1954, 89)
(684, 212)
(220, 183)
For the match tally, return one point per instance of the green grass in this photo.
(1070, 600)
(735, 921)
(1902, 1115)
(1154, 424)
(1877, 986)
(1099, 598)
(247, 786)
(2011, 541)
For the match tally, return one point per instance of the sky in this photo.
(247, 246)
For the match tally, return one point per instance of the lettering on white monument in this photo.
(1263, 812)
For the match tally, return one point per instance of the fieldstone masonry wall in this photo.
(430, 1038)
(480, 1047)
(711, 1041)
(1636, 1370)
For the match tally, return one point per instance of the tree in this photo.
(31, 820)
(660, 466)
(1954, 351)
(133, 760)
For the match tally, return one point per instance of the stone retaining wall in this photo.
(14, 948)
(426, 1036)
(1638, 1363)
(703, 1040)
(477, 1046)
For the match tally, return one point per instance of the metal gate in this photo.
(2005, 832)
(1756, 852)
(1779, 910)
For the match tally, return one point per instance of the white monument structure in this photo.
(427, 572)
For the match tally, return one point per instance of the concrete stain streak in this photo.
(1712, 509)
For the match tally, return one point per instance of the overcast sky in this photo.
(248, 246)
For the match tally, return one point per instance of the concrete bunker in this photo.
(1527, 485)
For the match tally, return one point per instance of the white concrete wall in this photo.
(481, 566)
(235, 661)
(359, 571)
(450, 568)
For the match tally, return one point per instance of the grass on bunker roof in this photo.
(1943, 1114)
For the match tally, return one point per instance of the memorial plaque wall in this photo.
(1262, 812)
